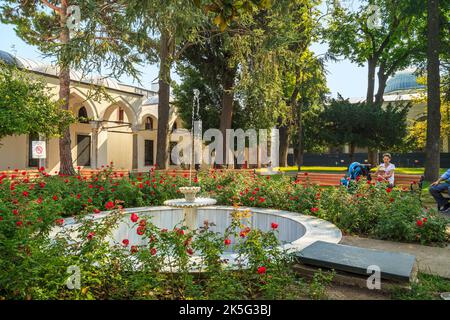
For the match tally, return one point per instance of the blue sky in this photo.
(343, 77)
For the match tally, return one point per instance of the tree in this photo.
(226, 12)
(432, 150)
(388, 45)
(99, 43)
(26, 106)
(363, 124)
(168, 29)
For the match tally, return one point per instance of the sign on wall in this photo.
(38, 149)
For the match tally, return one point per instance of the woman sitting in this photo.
(385, 172)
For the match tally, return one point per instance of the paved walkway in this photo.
(430, 260)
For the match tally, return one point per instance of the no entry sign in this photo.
(38, 149)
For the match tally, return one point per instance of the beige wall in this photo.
(111, 146)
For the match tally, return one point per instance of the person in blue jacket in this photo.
(436, 189)
(355, 170)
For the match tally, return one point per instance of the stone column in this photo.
(94, 144)
(135, 161)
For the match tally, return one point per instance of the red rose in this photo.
(39, 200)
(109, 205)
(227, 242)
(134, 217)
(424, 220)
(90, 235)
(152, 251)
(125, 242)
(140, 230)
(261, 199)
(190, 251)
(134, 249)
(25, 194)
(96, 211)
(388, 190)
(262, 270)
(15, 212)
(60, 221)
(252, 198)
(274, 225)
(419, 223)
(55, 197)
(19, 223)
(314, 210)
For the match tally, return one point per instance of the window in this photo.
(174, 127)
(148, 123)
(82, 115)
(149, 161)
(121, 115)
(32, 163)
(83, 150)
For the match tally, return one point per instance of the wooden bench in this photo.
(334, 179)
(113, 174)
(20, 175)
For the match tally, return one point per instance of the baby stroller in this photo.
(355, 171)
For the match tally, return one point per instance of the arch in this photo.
(83, 99)
(125, 107)
(83, 115)
(143, 121)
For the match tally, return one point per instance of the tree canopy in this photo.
(26, 105)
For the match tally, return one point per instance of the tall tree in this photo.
(388, 43)
(170, 28)
(432, 150)
(97, 44)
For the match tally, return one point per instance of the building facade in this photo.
(118, 126)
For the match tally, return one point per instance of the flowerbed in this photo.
(35, 266)
(369, 209)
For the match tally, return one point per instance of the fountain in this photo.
(191, 203)
(297, 231)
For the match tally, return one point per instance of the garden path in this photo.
(430, 260)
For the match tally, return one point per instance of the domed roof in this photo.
(7, 58)
(403, 81)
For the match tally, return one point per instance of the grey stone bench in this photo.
(394, 266)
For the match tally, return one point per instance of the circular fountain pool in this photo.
(296, 231)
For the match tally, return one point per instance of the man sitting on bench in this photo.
(436, 189)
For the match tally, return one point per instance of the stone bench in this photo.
(393, 266)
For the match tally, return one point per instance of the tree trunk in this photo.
(226, 116)
(432, 150)
(162, 149)
(284, 143)
(65, 150)
(372, 64)
(382, 79)
(352, 152)
(300, 146)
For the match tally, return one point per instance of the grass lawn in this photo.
(429, 287)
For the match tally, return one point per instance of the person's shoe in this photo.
(445, 208)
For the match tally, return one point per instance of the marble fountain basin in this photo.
(296, 231)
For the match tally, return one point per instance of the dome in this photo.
(403, 81)
(7, 58)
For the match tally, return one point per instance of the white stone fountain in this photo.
(191, 203)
